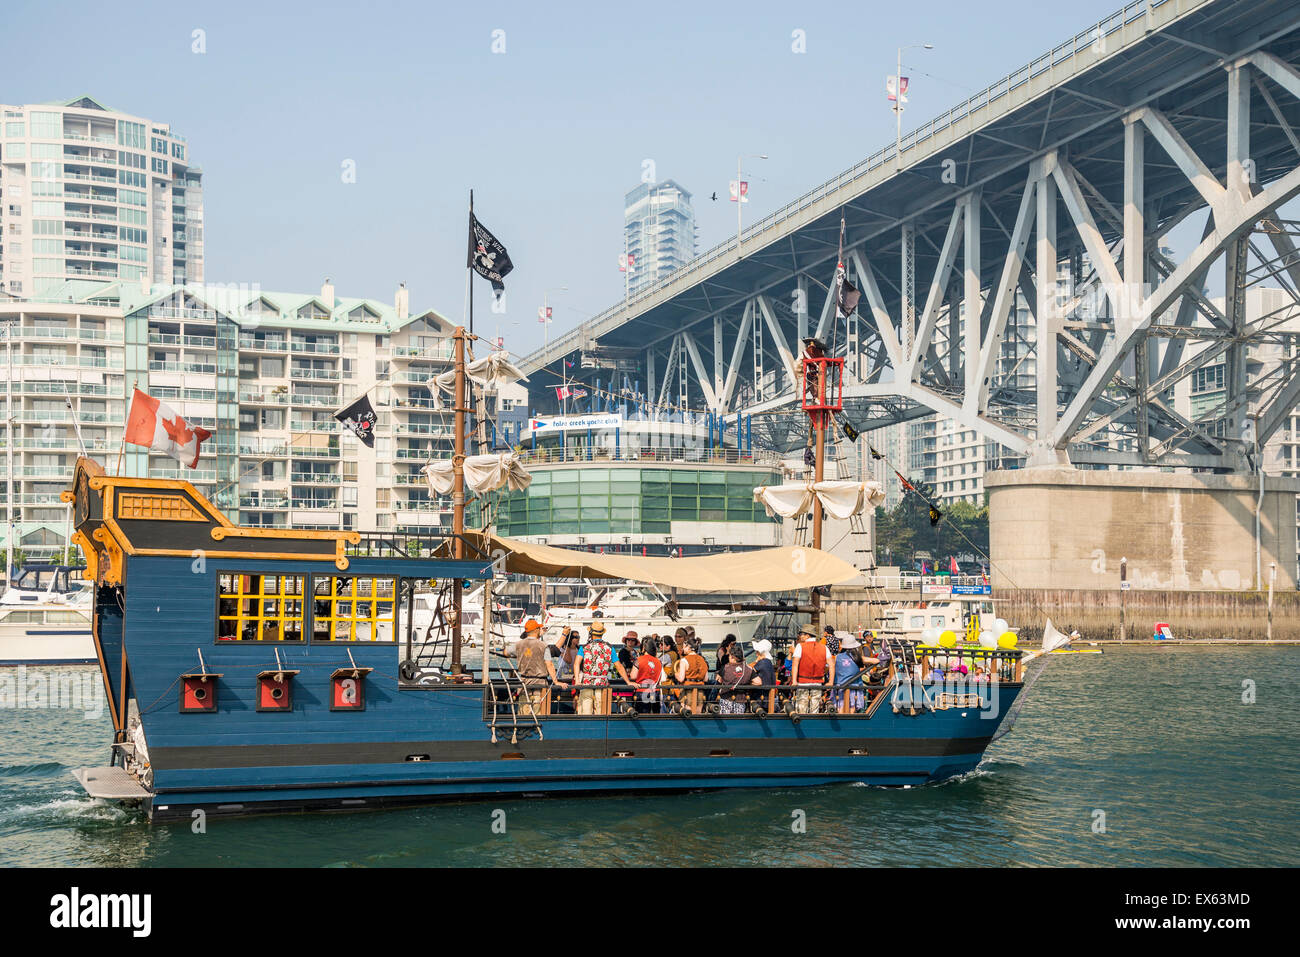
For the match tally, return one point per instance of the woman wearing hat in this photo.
(850, 696)
(765, 672)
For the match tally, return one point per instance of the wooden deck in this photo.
(110, 784)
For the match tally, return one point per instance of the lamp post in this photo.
(1272, 577)
(898, 102)
(739, 197)
(1123, 594)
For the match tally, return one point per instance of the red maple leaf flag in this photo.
(155, 425)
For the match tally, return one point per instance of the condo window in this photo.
(259, 607)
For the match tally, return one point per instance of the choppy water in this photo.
(1158, 739)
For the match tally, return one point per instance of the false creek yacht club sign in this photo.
(565, 423)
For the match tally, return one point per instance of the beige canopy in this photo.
(760, 570)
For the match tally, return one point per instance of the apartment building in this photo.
(263, 371)
(87, 192)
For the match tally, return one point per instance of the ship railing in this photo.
(387, 544)
(507, 698)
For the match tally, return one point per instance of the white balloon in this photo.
(988, 639)
(930, 636)
(999, 626)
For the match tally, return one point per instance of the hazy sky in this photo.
(550, 134)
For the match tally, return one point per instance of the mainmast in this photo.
(458, 496)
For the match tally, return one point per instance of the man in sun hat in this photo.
(591, 670)
(535, 670)
(809, 671)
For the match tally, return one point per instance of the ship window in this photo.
(353, 608)
(259, 607)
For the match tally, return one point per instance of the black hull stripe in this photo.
(852, 775)
(388, 752)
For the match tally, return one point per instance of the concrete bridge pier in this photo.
(1057, 536)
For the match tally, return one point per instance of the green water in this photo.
(1158, 739)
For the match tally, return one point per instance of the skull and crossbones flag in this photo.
(360, 419)
(487, 256)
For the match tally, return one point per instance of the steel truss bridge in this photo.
(1076, 167)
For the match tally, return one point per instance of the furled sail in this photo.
(492, 371)
(483, 473)
(839, 499)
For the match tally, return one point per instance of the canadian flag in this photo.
(156, 425)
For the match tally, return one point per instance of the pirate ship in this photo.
(255, 669)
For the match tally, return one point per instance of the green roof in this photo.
(231, 301)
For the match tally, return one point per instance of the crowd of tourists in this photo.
(668, 674)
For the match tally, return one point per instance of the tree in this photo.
(905, 530)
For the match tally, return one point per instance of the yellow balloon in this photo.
(1007, 639)
(948, 639)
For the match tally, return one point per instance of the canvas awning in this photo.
(760, 570)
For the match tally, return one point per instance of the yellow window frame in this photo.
(251, 596)
(353, 592)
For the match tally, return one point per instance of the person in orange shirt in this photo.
(809, 671)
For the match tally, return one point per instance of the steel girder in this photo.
(961, 258)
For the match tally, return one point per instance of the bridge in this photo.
(1058, 188)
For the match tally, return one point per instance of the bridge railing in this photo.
(1061, 54)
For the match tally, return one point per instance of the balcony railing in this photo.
(420, 428)
(298, 373)
(692, 455)
(329, 452)
(304, 425)
(328, 348)
(265, 345)
(321, 401)
(424, 352)
(331, 503)
(190, 475)
(316, 478)
(265, 398)
(263, 502)
(171, 339)
(199, 368)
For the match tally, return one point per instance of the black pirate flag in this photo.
(487, 256)
(360, 419)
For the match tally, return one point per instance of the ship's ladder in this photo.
(515, 723)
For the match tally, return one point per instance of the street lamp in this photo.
(740, 196)
(898, 102)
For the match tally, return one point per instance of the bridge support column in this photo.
(1068, 529)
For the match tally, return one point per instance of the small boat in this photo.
(1076, 651)
(647, 611)
(45, 617)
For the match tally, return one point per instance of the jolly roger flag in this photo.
(360, 420)
(487, 256)
(846, 294)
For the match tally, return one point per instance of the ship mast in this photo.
(819, 469)
(458, 496)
